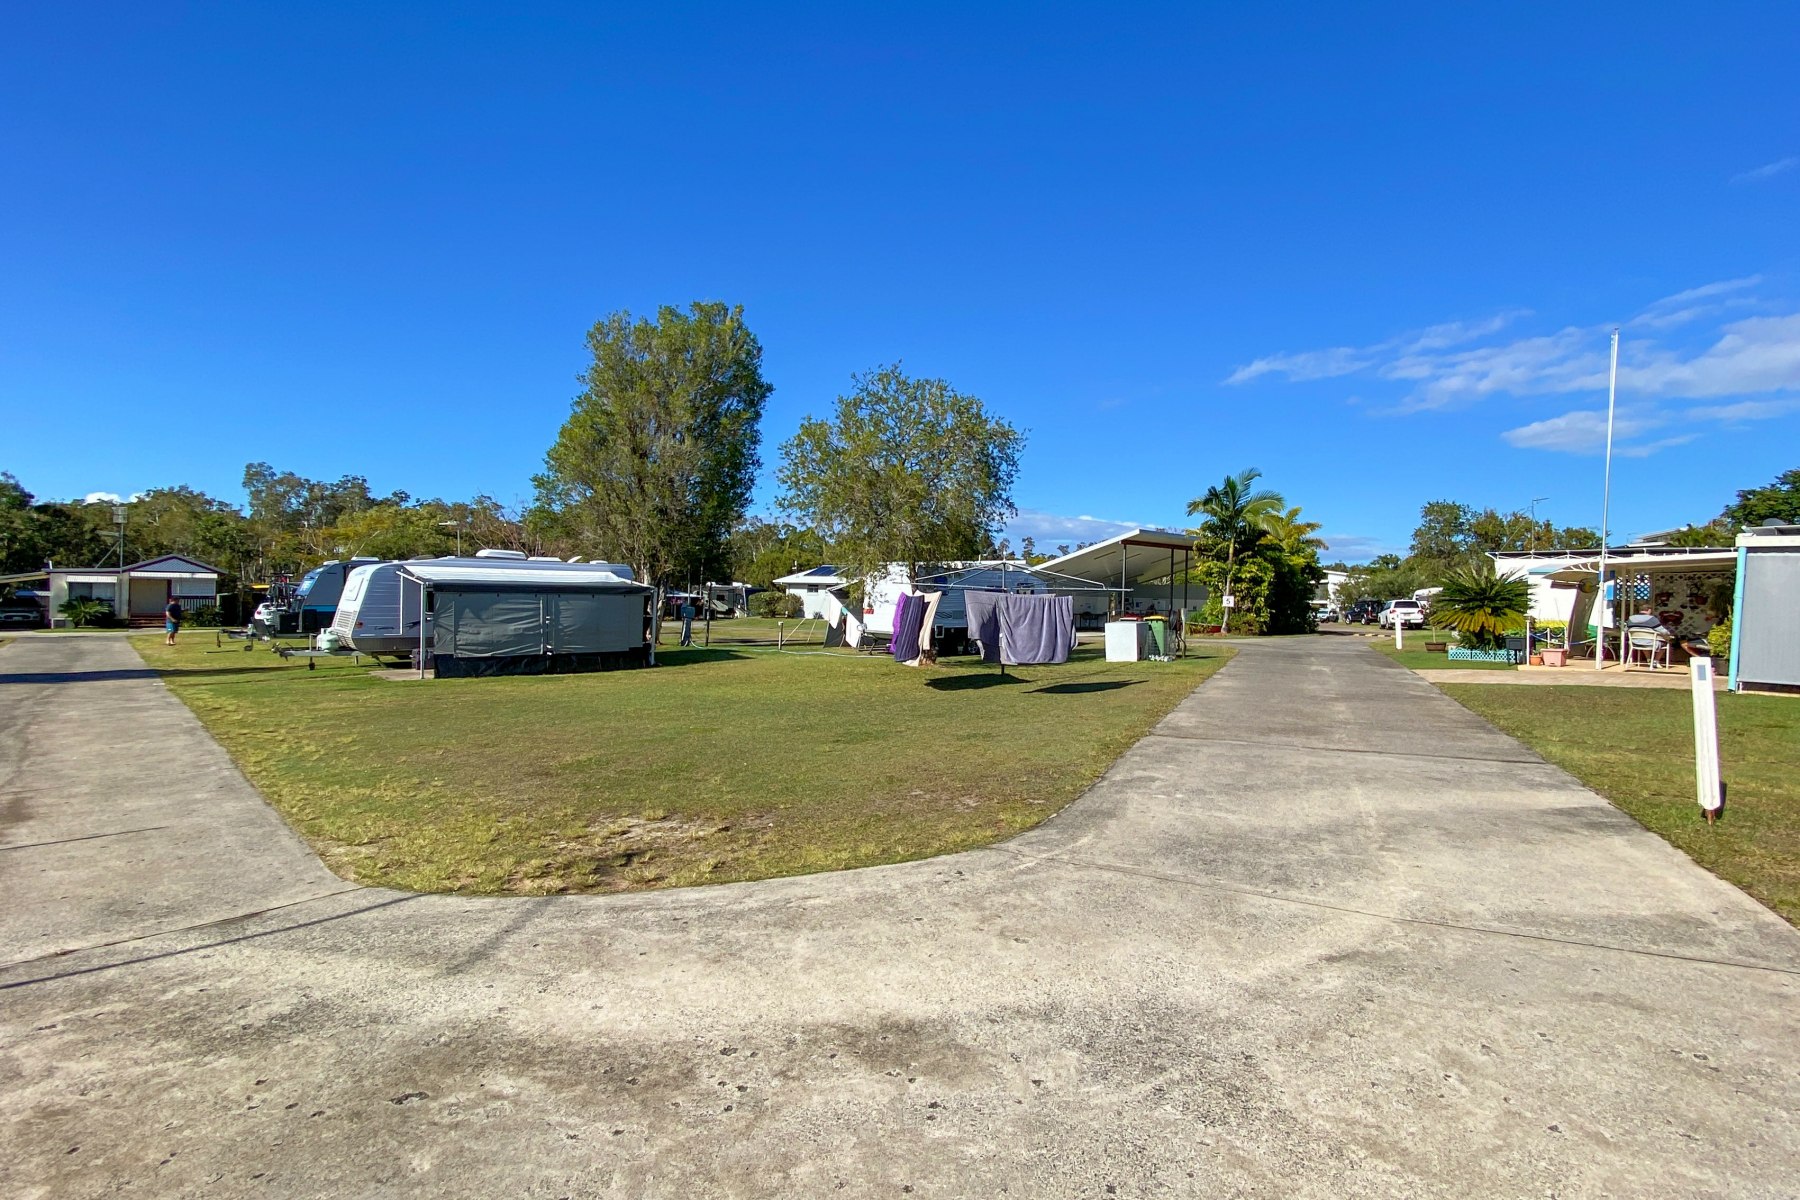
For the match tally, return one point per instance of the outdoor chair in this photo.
(1646, 646)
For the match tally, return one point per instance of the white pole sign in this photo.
(1706, 739)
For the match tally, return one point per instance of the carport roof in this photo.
(1138, 555)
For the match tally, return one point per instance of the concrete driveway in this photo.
(1323, 933)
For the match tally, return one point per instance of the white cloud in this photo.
(1347, 360)
(1049, 529)
(1767, 170)
(103, 498)
(1748, 357)
(1758, 354)
(1743, 410)
(1582, 431)
(1313, 364)
(1705, 290)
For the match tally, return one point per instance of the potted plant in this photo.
(1554, 656)
(1483, 608)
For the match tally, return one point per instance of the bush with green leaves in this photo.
(1718, 639)
(85, 612)
(1482, 607)
(776, 604)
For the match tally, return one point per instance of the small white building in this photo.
(812, 588)
(138, 592)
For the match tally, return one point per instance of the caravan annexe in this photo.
(379, 613)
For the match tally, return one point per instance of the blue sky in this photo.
(1375, 252)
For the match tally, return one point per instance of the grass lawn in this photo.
(749, 631)
(1419, 659)
(719, 765)
(1636, 747)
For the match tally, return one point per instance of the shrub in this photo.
(1480, 606)
(1718, 639)
(776, 604)
(85, 612)
(206, 615)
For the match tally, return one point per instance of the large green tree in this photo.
(1779, 500)
(656, 461)
(905, 470)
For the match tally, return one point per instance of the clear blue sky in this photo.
(1375, 251)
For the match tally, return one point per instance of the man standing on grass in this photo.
(171, 621)
(687, 622)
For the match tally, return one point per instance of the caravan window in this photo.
(312, 577)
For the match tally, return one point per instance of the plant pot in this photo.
(1536, 660)
(1555, 658)
(1436, 647)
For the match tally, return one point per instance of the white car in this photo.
(1409, 613)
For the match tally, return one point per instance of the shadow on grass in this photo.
(694, 656)
(79, 676)
(972, 682)
(1082, 689)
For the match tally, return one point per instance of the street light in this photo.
(459, 529)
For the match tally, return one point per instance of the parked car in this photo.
(21, 614)
(1362, 612)
(1409, 614)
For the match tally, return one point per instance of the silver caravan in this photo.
(376, 614)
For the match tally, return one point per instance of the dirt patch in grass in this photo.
(720, 765)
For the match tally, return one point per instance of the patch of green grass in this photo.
(1635, 746)
(719, 765)
(1419, 659)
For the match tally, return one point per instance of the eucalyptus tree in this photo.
(656, 461)
(904, 470)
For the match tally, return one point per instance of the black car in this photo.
(1362, 612)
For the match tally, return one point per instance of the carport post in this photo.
(421, 629)
(1186, 570)
(1123, 608)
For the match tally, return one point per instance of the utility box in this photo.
(1765, 626)
(1127, 641)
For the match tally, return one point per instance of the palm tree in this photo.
(1481, 606)
(1293, 535)
(1235, 513)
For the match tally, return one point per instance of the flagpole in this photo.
(1612, 395)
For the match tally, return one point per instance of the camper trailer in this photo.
(314, 603)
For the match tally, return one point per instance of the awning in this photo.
(1640, 564)
(519, 575)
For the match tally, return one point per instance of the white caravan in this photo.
(377, 614)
